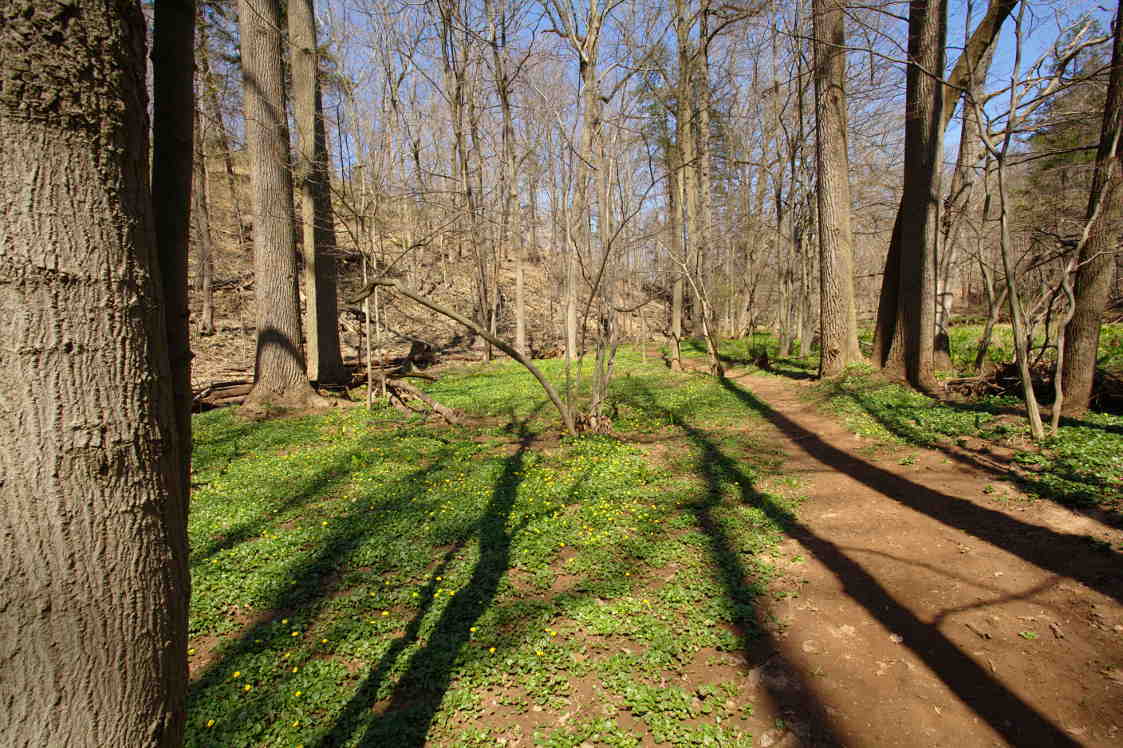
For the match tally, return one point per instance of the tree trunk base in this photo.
(260, 403)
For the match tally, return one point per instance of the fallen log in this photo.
(399, 389)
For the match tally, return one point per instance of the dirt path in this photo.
(929, 614)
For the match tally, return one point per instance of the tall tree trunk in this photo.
(200, 213)
(280, 376)
(1093, 278)
(173, 120)
(325, 361)
(910, 354)
(838, 336)
(674, 216)
(897, 310)
(93, 573)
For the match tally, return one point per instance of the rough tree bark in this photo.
(911, 350)
(1093, 278)
(325, 361)
(93, 575)
(838, 325)
(280, 375)
(893, 302)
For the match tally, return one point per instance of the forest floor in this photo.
(756, 562)
(932, 611)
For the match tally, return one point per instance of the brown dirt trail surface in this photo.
(925, 612)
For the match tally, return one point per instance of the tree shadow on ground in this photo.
(315, 579)
(1081, 493)
(787, 685)
(419, 692)
(1066, 555)
(988, 697)
(324, 479)
(763, 356)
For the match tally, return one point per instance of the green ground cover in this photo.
(365, 579)
(1081, 465)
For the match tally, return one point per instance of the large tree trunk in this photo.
(173, 121)
(903, 317)
(93, 575)
(910, 354)
(838, 333)
(280, 376)
(325, 362)
(1093, 278)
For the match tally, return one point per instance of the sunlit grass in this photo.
(361, 578)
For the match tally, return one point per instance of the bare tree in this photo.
(838, 327)
(325, 363)
(280, 374)
(904, 337)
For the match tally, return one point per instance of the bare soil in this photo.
(926, 611)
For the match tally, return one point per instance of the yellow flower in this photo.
(324, 523)
(491, 650)
(323, 641)
(296, 724)
(296, 633)
(473, 629)
(191, 651)
(385, 612)
(237, 674)
(284, 621)
(248, 687)
(295, 669)
(210, 723)
(298, 693)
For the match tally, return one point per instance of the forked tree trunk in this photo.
(93, 572)
(280, 375)
(838, 334)
(1093, 278)
(325, 361)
